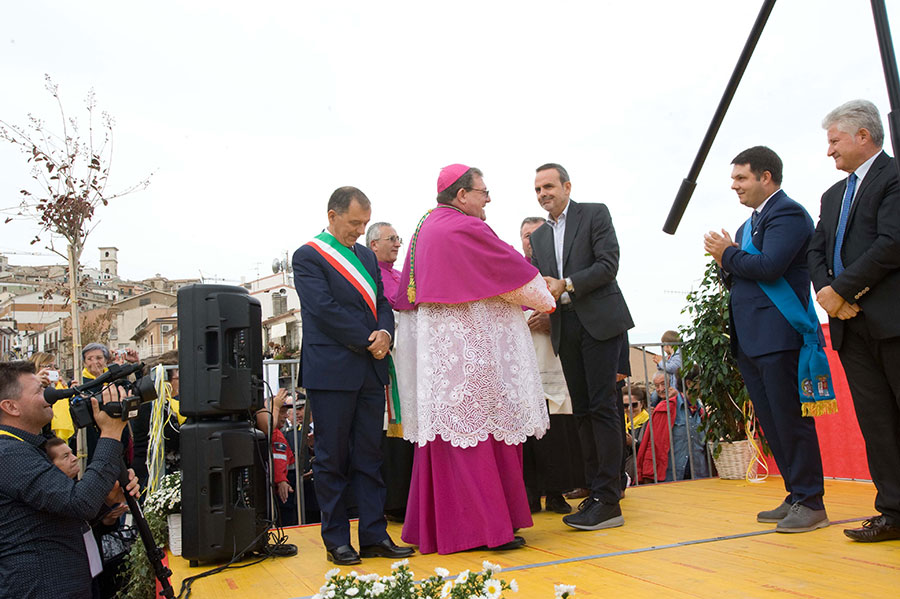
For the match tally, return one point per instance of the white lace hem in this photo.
(469, 371)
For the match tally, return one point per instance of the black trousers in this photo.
(590, 367)
(873, 371)
(348, 457)
(552, 464)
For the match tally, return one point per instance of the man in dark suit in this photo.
(577, 252)
(347, 324)
(766, 345)
(854, 260)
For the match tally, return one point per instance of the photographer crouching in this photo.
(47, 549)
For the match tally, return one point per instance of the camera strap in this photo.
(12, 435)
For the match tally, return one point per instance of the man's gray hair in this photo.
(92, 347)
(855, 115)
(531, 220)
(374, 232)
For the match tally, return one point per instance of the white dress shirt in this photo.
(559, 234)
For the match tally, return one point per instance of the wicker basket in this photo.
(734, 459)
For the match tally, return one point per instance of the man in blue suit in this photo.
(766, 345)
(346, 340)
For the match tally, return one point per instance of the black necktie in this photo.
(753, 219)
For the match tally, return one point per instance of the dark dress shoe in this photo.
(386, 548)
(577, 494)
(345, 555)
(874, 530)
(514, 544)
(556, 503)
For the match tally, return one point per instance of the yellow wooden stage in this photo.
(686, 539)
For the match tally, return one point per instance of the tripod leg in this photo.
(154, 553)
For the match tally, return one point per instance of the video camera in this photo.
(138, 392)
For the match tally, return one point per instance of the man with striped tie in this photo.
(854, 263)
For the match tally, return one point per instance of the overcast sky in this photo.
(250, 115)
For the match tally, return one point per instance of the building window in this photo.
(279, 303)
(144, 301)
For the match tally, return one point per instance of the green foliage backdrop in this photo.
(707, 344)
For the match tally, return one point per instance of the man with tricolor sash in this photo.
(775, 334)
(347, 334)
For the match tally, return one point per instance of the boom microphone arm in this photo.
(690, 182)
(889, 64)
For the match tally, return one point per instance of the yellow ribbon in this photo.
(11, 435)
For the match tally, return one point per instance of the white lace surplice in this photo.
(469, 370)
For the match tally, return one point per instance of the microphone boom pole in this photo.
(690, 182)
(889, 64)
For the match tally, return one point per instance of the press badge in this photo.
(93, 553)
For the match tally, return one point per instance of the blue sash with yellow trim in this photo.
(814, 376)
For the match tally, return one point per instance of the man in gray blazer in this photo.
(577, 252)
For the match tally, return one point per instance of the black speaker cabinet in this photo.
(223, 490)
(220, 350)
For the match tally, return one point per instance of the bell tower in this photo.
(109, 263)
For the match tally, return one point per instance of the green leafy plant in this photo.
(707, 345)
(138, 579)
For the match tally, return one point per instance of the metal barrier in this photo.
(683, 408)
(699, 460)
(301, 449)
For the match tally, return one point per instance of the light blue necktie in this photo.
(842, 223)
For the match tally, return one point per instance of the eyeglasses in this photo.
(392, 239)
(634, 405)
(484, 191)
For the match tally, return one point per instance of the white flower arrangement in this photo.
(166, 499)
(401, 585)
(563, 591)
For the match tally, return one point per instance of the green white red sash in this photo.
(392, 397)
(348, 265)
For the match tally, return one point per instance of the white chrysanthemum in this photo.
(332, 573)
(445, 590)
(442, 572)
(377, 589)
(352, 591)
(514, 586)
(387, 579)
(329, 594)
(492, 588)
(463, 576)
(353, 574)
(492, 567)
(403, 562)
(564, 590)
